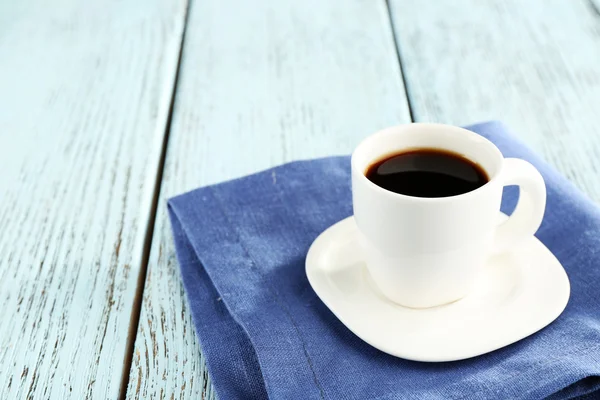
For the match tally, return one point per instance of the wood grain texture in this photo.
(533, 64)
(85, 89)
(273, 81)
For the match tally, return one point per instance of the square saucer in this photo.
(517, 294)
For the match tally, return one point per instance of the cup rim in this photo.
(463, 131)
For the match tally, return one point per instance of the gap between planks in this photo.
(136, 309)
(594, 7)
(399, 58)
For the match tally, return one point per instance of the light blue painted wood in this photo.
(84, 97)
(270, 82)
(533, 64)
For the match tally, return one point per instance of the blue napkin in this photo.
(264, 333)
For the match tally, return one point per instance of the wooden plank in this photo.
(86, 92)
(268, 83)
(532, 64)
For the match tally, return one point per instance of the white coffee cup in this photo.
(425, 252)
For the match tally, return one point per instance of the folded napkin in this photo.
(241, 246)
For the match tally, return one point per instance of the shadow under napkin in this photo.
(241, 247)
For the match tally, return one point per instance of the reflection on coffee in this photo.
(427, 173)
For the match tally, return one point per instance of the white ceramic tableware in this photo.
(424, 252)
(515, 294)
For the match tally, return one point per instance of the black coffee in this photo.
(427, 173)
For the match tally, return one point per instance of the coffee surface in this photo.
(427, 173)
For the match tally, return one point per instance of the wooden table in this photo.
(110, 107)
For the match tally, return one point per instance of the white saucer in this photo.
(518, 294)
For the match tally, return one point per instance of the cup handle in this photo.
(529, 212)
